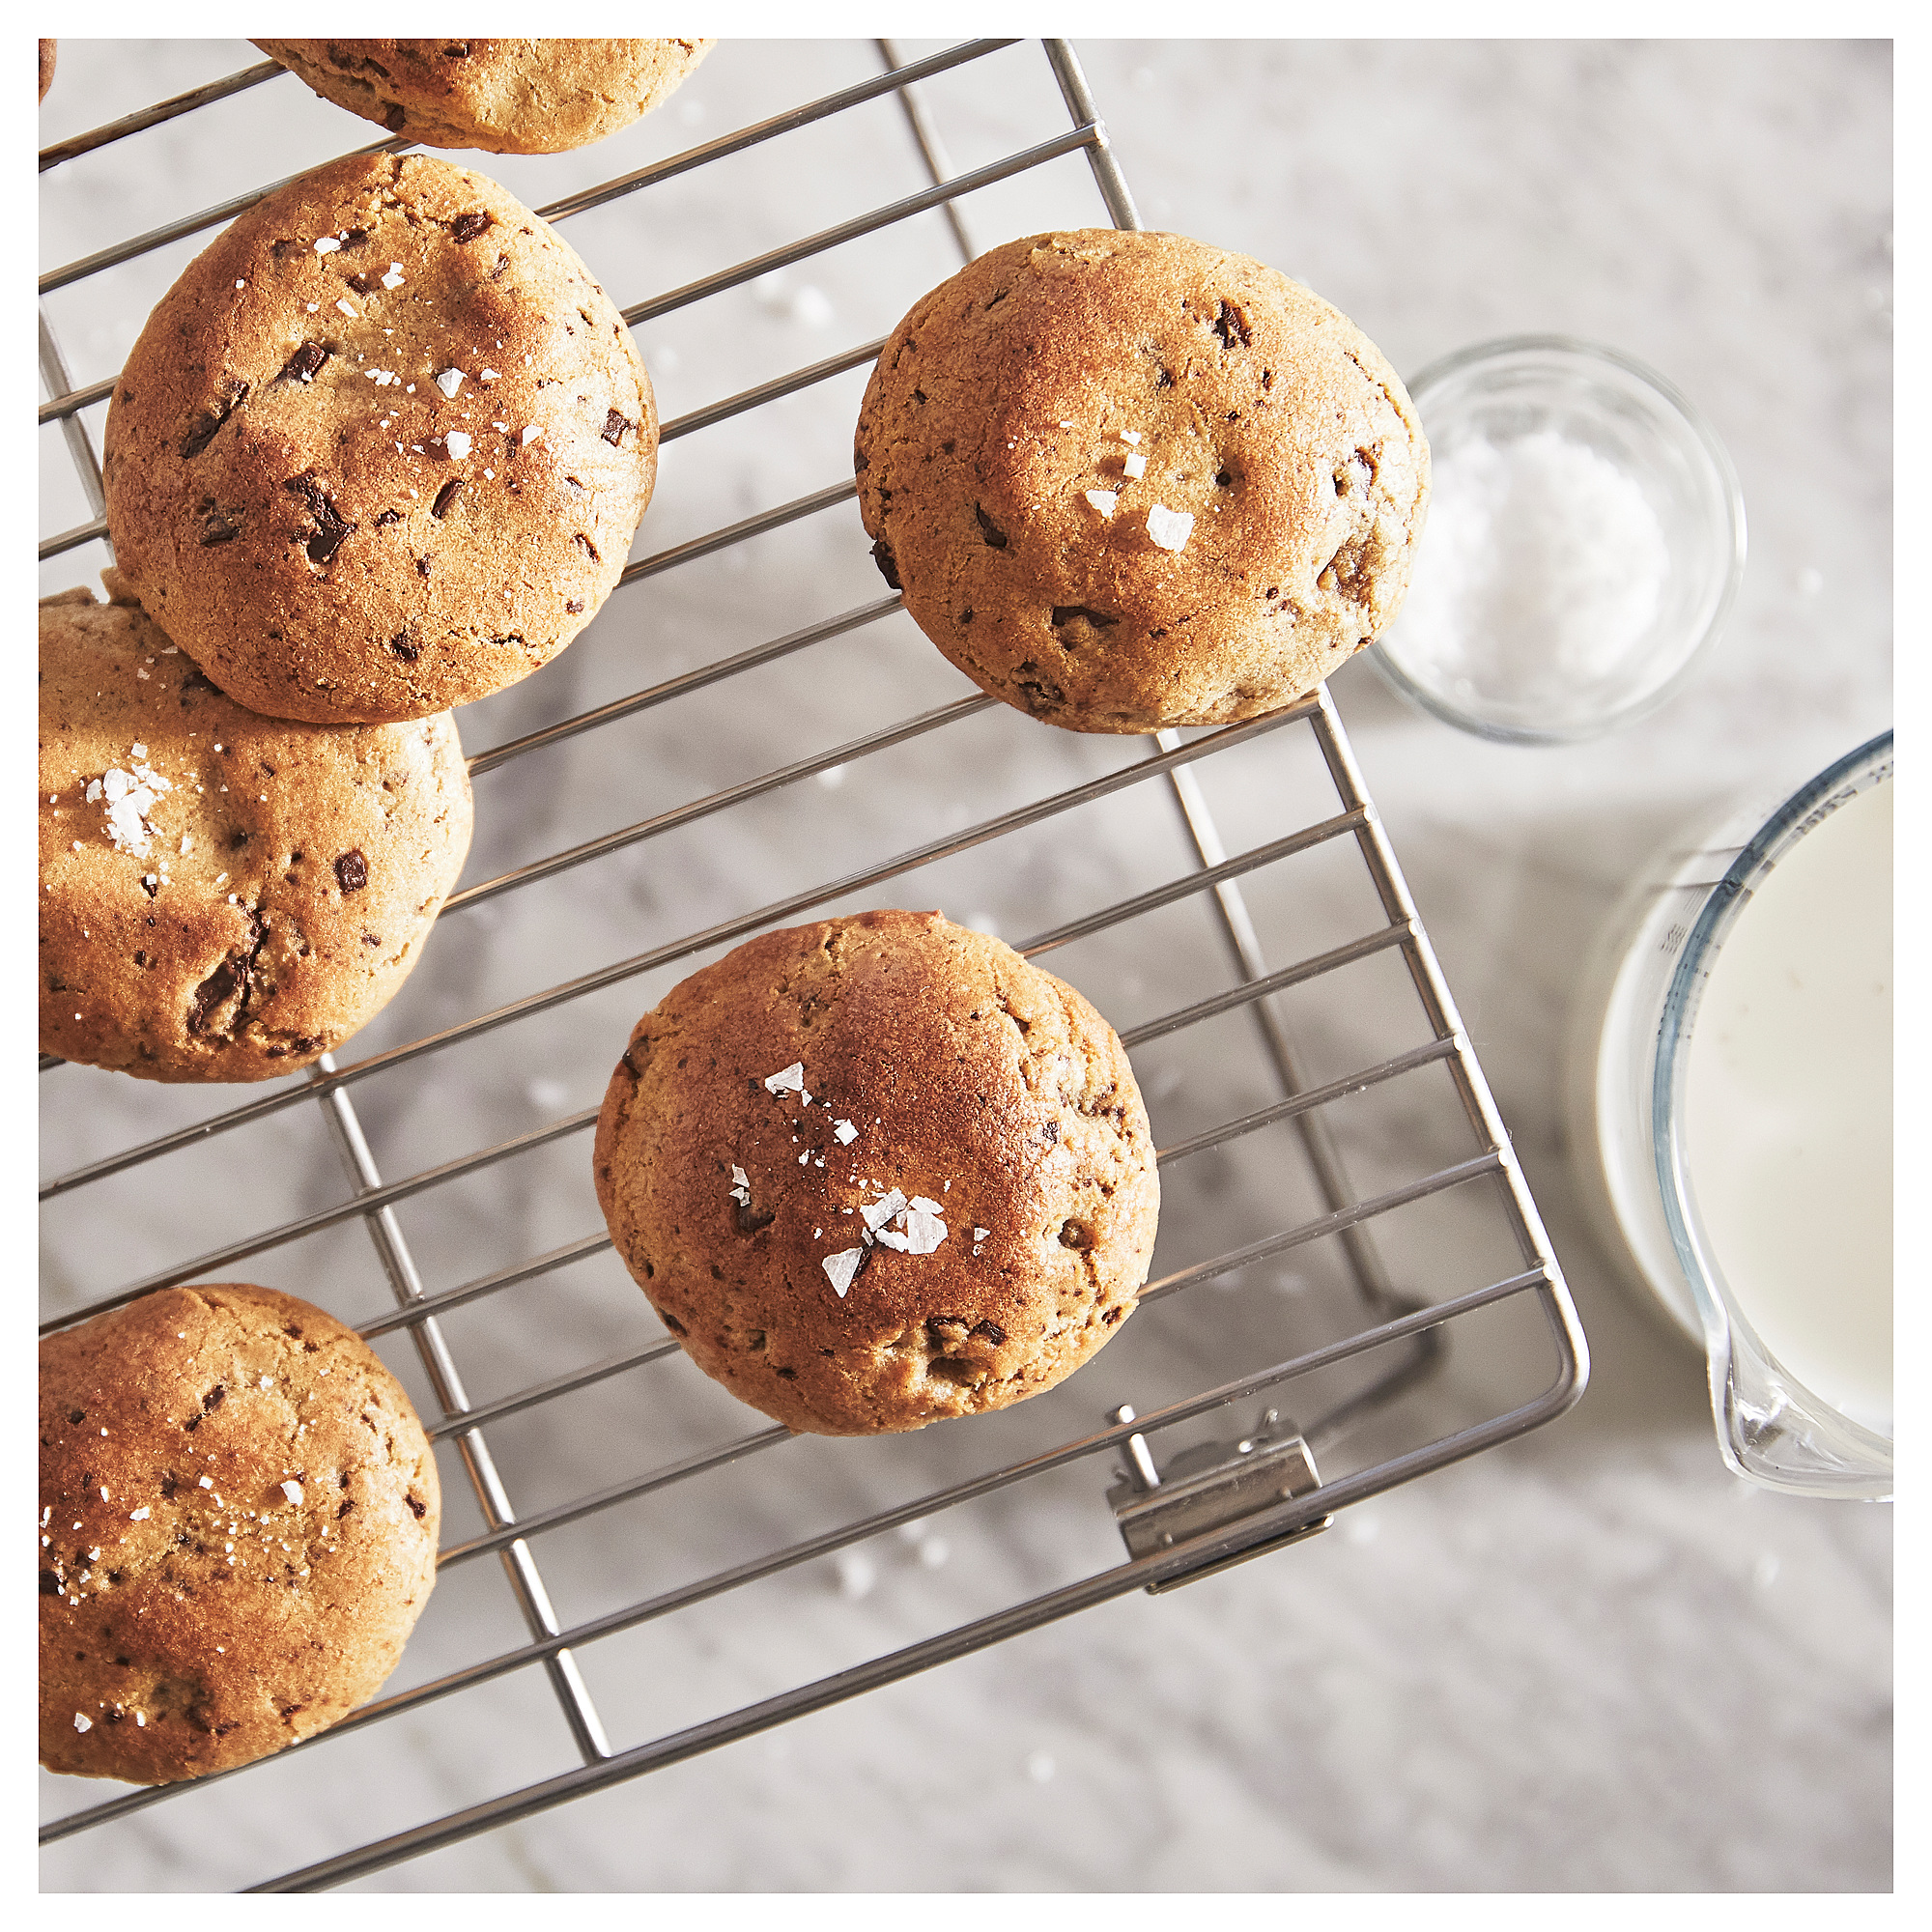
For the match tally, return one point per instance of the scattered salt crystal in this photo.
(313, 306)
(1066, 425)
(844, 1133)
(857, 1573)
(803, 1158)
(883, 1209)
(394, 278)
(789, 1079)
(488, 376)
(1103, 501)
(457, 443)
(840, 1268)
(328, 245)
(450, 382)
(531, 433)
(1130, 436)
(1134, 465)
(1169, 529)
(925, 1230)
(981, 1233)
(344, 306)
(141, 1718)
(240, 285)
(207, 1481)
(82, 1723)
(138, 1516)
(293, 1490)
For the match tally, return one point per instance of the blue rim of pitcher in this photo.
(1858, 771)
(1454, 363)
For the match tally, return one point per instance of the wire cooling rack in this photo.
(1352, 1286)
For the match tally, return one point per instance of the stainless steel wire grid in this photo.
(1352, 1287)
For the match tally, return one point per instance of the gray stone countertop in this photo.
(1588, 1661)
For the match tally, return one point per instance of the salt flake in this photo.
(394, 278)
(450, 382)
(326, 245)
(81, 1721)
(840, 1268)
(1103, 501)
(844, 1133)
(883, 1209)
(457, 443)
(293, 1490)
(347, 307)
(789, 1079)
(1134, 465)
(1169, 529)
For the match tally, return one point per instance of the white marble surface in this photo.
(1588, 1661)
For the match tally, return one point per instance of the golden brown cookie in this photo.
(1129, 480)
(879, 1171)
(383, 447)
(509, 96)
(237, 1530)
(223, 897)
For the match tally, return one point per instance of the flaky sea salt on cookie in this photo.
(237, 1530)
(879, 1171)
(381, 449)
(1127, 481)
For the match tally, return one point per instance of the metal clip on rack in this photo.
(1215, 1502)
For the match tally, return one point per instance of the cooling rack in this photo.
(1352, 1287)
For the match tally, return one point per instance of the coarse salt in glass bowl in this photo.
(1584, 542)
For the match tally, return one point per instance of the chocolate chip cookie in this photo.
(237, 1531)
(1129, 480)
(381, 449)
(508, 96)
(223, 897)
(879, 1171)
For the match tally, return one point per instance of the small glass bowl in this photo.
(1543, 677)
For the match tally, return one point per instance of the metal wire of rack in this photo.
(1375, 1336)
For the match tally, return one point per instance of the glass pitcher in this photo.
(1713, 1146)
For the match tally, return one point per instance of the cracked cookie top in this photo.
(879, 1171)
(223, 897)
(511, 97)
(381, 449)
(1127, 480)
(237, 1530)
